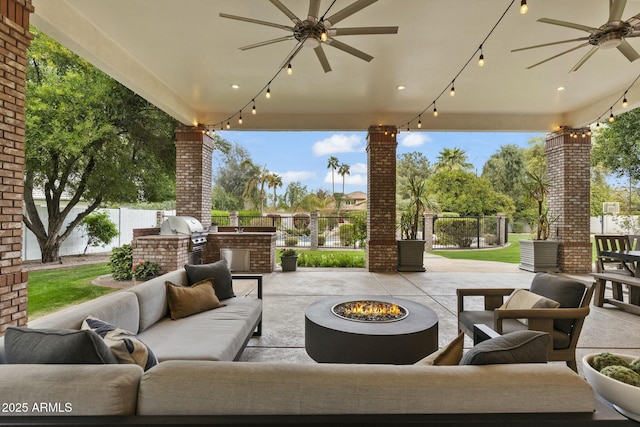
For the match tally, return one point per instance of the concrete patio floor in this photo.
(286, 296)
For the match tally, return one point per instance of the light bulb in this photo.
(268, 94)
(625, 103)
(228, 125)
(481, 61)
(435, 111)
(289, 69)
(523, 7)
(253, 110)
(240, 119)
(611, 118)
(324, 36)
(452, 92)
(419, 123)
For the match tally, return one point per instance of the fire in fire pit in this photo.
(370, 311)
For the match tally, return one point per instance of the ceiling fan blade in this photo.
(585, 58)
(550, 44)
(349, 49)
(634, 21)
(629, 52)
(616, 8)
(285, 10)
(256, 21)
(348, 11)
(362, 31)
(560, 54)
(267, 42)
(568, 24)
(323, 58)
(314, 10)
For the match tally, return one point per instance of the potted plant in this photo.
(289, 259)
(410, 248)
(539, 254)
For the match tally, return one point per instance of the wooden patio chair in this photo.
(614, 242)
(563, 324)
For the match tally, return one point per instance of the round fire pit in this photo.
(382, 330)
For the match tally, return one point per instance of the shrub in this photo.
(457, 231)
(99, 229)
(331, 259)
(490, 239)
(291, 241)
(120, 262)
(144, 269)
(321, 240)
(346, 235)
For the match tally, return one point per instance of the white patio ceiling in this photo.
(183, 57)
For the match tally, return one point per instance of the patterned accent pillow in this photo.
(125, 345)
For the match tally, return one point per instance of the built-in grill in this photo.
(188, 226)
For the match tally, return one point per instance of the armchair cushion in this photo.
(568, 292)
(523, 299)
(515, 347)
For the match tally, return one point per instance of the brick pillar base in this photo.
(568, 154)
(193, 174)
(382, 250)
(14, 39)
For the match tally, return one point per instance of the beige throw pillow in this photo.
(451, 354)
(523, 299)
(185, 301)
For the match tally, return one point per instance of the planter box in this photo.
(539, 255)
(289, 263)
(411, 255)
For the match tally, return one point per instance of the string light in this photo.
(481, 58)
(253, 110)
(435, 110)
(240, 118)
(419, 122)
(228, 125)
(611, 117)
(523, 7)
(625, 103)
(289, 69)
(452, 92)
(268, 94)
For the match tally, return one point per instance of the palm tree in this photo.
(343, 169)
(274, 181)
(257, 177)
(452, 159)
(333, 165)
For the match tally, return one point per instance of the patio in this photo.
(286, 296)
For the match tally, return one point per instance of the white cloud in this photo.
(353, 179)
(414, 139)
(358, 168)
(294, 176)
(338, 144)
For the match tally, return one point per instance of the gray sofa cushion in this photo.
(68, 346)
(152, 297)
(516, 347)
(568, 292)
(218, 271)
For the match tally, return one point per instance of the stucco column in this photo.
(382, 251)
(568, 153)
(502, 222)
(193, 174)
(313, 226)
(15, 38)
(428, 231)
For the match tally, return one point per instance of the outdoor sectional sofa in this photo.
(197, 381)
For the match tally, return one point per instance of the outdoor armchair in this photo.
(563, 324)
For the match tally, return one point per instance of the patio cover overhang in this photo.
(183, 57)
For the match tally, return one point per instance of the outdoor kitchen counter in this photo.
(249, 251)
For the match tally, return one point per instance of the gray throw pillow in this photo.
(514, 347)
(68, 346)
(218, 272)
(565, 290)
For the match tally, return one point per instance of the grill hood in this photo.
(186, 225)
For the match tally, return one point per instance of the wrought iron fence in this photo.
(295, 231)
(468, 232)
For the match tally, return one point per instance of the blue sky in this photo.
(303, 156)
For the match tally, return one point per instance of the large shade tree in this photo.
(89, 141)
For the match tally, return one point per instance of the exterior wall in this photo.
(14, 40)
(568, 154)
(194, 151)
(382, 250)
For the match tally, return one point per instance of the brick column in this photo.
(568, 154)
(382, 250)
(14, 40)
(193, 174)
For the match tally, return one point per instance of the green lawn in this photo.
(509, 253)
(51, 290)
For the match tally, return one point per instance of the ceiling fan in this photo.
(316, 31)
(612, 34)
